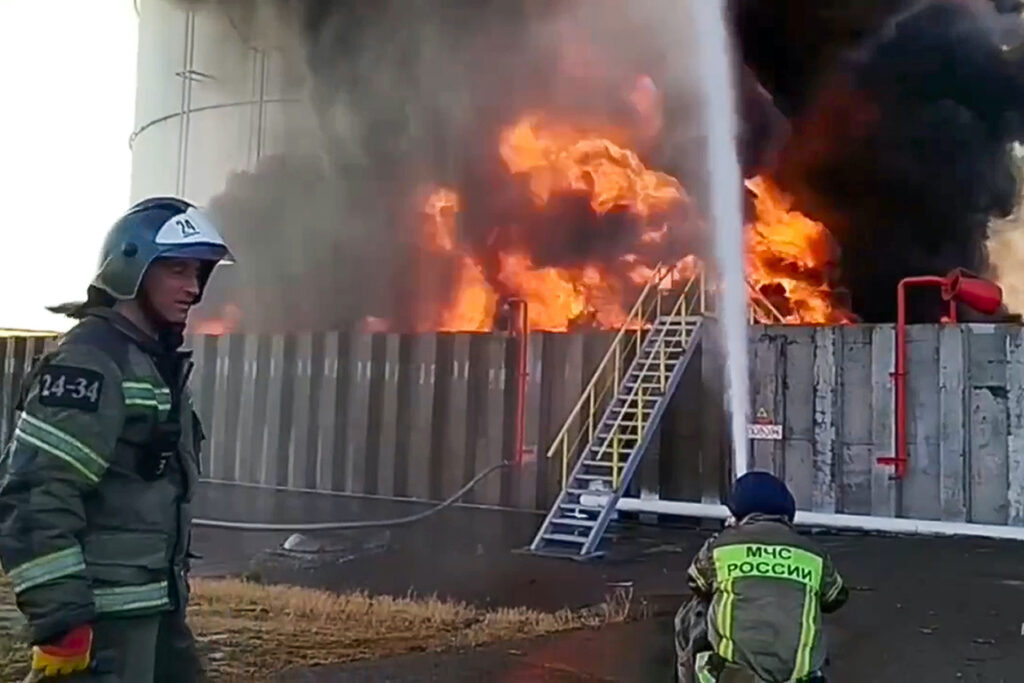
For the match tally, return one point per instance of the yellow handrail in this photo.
(637, 393)
(593, 395)
(758, 298)
(759, 308)
(613, 355)
(590, 406)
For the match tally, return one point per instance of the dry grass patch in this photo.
(250, 630)
(253, 629)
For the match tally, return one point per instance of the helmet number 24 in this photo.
(188, 229)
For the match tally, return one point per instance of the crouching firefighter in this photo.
(97, 478)
(759, 589)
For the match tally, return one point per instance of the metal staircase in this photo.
(610, 427)
(654, 347)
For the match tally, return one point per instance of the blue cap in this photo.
(761, 492)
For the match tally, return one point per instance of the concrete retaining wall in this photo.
(417, 415)
(832, 390)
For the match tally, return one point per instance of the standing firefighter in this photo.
(759, 591)
(99, 473)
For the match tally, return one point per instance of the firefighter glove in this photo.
(66, 655)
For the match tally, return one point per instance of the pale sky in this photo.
(67, 73)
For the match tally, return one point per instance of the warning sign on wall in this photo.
(764, 432)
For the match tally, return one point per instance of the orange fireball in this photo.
(559, 159)
(787, 255)
(787, 252)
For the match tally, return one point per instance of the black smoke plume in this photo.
(903, 114)
(409, 95)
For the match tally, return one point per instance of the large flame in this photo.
(787, 258)
(554, 159)
(559, 159)
(788, 253)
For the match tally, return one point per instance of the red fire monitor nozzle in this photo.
(958, 287)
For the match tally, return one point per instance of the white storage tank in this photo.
(216, 91)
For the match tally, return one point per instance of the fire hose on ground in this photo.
(364, 524)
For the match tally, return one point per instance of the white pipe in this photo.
(897, 525)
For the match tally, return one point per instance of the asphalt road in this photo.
(921, 609)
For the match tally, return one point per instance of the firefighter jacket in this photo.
(767, 586)
(97, 478)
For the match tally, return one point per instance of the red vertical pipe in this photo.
(517, 307)
(899, 462)
(988, 303)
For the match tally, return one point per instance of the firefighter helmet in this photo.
(155, 228)
(761, 492)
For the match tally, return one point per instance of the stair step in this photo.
(598, 463)
(565, 538)
(645, 388)
(631, 392)
(651, 373)
(646, 379)
(576, 507)
(630, 410)
(585, 492)
(593, 477)
(644, 397)
(607, 463)
(584, 523)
